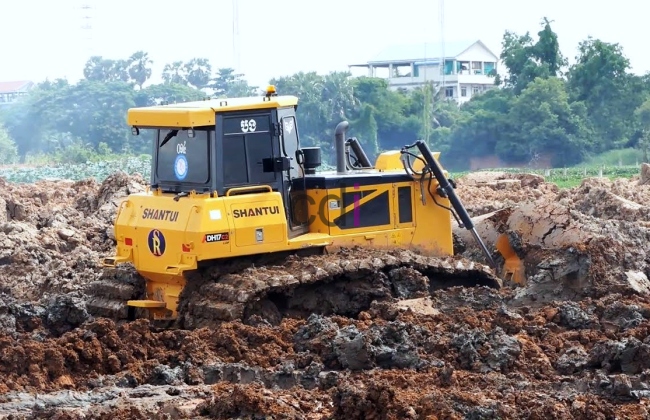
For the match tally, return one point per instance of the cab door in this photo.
(295, 196)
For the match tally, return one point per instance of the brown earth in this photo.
(573, 343)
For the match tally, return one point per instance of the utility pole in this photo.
(87, 27)
(236, 60)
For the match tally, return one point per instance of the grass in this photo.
(619, 157)
(607, 165)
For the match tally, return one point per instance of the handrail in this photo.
(123, 204)
(261, 188)
(187, 223)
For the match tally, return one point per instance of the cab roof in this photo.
(201, 113)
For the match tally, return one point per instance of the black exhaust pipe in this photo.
(339, 143)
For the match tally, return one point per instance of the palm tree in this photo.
(140, 68)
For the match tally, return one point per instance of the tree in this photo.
(139, 69)
(435, 112)
(366, 129)
(198, 72)
(525, 61)
(337, 95)
(484, 123)
(175, 73)
(543, 121)
(99, 69)
(90, 111)
(228, 84)
(311, 114)
(547, 50)
(398, 123)
(600, 79)
(27, 120)
(8, 149)
(642, 114)
(534, 111)
(167, 92)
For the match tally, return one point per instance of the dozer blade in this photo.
(493, 228)
(513, 269)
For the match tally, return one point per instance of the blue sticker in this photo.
(180, 167)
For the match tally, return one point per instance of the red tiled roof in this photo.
(10, 87)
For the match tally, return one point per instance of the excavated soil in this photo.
(574, 342)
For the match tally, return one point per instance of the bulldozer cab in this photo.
(221, 146)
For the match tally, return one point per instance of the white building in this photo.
(469, 67)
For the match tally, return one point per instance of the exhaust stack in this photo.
(339, 143)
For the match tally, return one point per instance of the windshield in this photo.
(182, 159)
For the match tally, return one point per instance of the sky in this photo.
(281, 37)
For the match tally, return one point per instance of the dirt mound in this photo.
(574, 342)
(588, 241)
(484, 192)
(54, 233)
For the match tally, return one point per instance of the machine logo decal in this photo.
(156, 242)
(180, 167)
(255, 211)
(155, 214)
(216, 237)
(288, 125)
(248, 125)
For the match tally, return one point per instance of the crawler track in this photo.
(107, 296)
(266, 289)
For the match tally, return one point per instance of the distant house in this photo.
(11, 91)
(462, 69)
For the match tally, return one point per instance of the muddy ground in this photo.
(572, 343)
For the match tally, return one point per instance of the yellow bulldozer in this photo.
(234, 197)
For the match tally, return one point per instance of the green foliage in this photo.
(228, 84)
(8, 149)
(601, 81)
(525, 61)
(619, 157)
(482, 127)
(98, 170)
(69, 122)
(538, 108)
(542, 119)
(574, 176)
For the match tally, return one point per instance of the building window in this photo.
(449, 92)
(463, 91)
(489, 68)
(477, 67)
(476, 90)
(449, 67)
